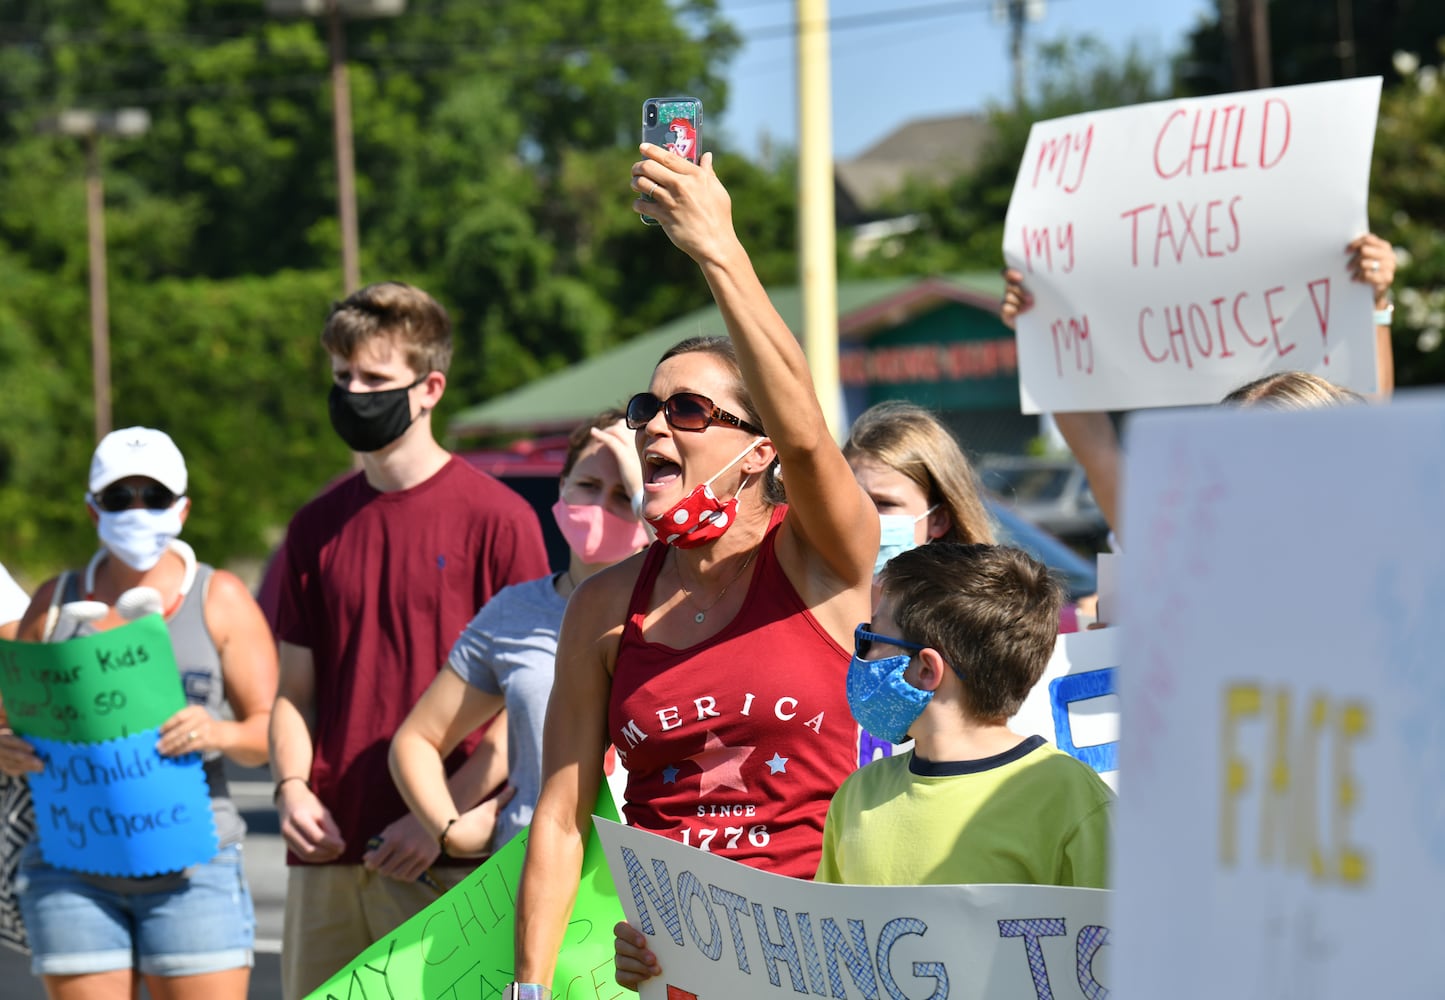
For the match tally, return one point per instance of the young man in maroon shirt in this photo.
(382, 572)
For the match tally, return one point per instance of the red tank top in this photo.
(737, 744)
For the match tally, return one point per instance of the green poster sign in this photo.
(96, 688)
(460, 947)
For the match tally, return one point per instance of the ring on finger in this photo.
(652, 190)
(191, 736)
(1374, 265)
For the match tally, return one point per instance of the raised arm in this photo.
(1372, 261)
(1090, 436)
(836, 526)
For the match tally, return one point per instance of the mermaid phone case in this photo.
(674, 122)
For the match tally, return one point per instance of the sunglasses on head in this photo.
(863, 641)
(118, 497)
(684, 411)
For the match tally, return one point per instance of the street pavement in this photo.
(265, 860)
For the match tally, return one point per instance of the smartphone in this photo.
(674, 122)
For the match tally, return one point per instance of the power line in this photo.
(422, 55)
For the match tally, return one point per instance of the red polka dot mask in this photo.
(700, 517)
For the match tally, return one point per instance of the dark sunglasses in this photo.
(117, 498)
(684, 411)
(863, 641)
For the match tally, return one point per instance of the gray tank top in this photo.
(200, 666)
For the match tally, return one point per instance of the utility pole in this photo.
(1346, 47)
(817, 261)
(1246, 27)
(345, 151)
(336, 13)
(1018, 13)
(90, 127)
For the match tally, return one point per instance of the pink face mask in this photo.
(596, 534)
(700, 517)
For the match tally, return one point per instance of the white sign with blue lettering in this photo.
(723, 930)
(1074, 704)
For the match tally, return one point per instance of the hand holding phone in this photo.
(675, 123)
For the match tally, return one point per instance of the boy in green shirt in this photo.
(960, 636)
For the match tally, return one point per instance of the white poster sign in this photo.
(1179, 249)
(722, 930)
(1283, 833)
(1075, 704)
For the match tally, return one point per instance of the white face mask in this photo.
(896, 535)
(139, 536)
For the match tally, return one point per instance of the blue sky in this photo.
(894, 60)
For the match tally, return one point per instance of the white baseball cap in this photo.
(138, 451)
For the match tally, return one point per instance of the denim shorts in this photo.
(202, 922)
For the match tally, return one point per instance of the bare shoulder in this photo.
(233, 617)
(226, 596)
(603, 597)
(597, 609)
(837, 604)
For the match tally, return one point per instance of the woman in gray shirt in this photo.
(505, 658)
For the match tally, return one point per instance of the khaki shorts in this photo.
(334, 912)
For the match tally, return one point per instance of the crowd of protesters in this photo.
(431, 688)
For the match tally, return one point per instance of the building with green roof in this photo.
(935, 341)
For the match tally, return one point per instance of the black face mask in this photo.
(369, 421)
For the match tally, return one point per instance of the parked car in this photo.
(1051, 492)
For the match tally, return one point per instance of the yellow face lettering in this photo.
(1354, 725)
(1240, 700)
(1300, 766)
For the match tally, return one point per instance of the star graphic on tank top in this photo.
(669, 775)
(778, 765)
(722, 766)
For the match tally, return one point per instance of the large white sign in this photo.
(1283, 830)
(722, 931)
(1075, 703)
(1177, 250)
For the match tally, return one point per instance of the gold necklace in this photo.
(702, 611)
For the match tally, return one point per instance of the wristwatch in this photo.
(526, 991)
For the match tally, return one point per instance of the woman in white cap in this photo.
(188, 934)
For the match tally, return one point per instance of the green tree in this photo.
(492, 143)
(1407, 203)
(1310, 43)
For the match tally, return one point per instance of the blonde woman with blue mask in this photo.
(919, 479)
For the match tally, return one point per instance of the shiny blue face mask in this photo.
(896, 534)
(880, 699)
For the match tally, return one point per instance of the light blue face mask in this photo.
(896, 535)
(881, 700)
